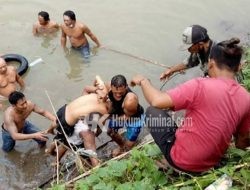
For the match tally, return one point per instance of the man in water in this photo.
(16, 127)
(76, 31)
(9, 78)
(44, 25)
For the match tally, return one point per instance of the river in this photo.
(136, 29)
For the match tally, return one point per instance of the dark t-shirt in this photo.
(117, 105)
(200, 57)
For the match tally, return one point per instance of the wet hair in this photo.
(70, 14)
(227, 54)
(119, 81)
(15, 96)
(45, 15)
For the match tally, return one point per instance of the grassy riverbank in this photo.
(139, 171)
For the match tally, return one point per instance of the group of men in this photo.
(212, 116)
(74, 121)
(72, 29)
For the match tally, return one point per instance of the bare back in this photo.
(76, 34)
(13, 119)
(83, 106)
(8, 81)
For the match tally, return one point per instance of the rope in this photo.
(171, 77)
(135, 57)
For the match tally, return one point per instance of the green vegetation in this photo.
(246, 70)
(139, 170)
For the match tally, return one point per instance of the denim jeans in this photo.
(84, 50)
(9, 142)
(133, 126)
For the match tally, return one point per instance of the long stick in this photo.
(57, 164)
(59, 122)
(78, 157)
(136, 57)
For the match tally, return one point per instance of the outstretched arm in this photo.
(12, 129)
(153, 96)
(44, 113)
(171, 70)
(91, 35)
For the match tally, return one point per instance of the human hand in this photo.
(40, 136)
(102, 94)
(136, 80)
(99, 82)
(66, 50)
(51, 128)
(166, 74)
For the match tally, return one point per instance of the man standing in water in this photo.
(8, 79)
(44, 25)
(76, 31)
(16, 127)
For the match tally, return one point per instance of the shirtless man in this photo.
(70, 114)
(76, 31)
(44, 25)
(8, 79)
(16, 127)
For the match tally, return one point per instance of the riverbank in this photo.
(137, 169)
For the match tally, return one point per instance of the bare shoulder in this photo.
(8, 111)
(63, 26)
(82, 26)
(11, 69)
(131, 95)
(54, 24)
(9, 115)
(30, 105)
(36, 25)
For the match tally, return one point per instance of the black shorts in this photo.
(68, 129)
(162, 129)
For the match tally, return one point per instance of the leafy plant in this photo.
(140, 172)
(246, 69)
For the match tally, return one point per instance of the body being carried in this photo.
(83, 106)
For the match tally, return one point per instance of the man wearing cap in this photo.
(198, 43)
